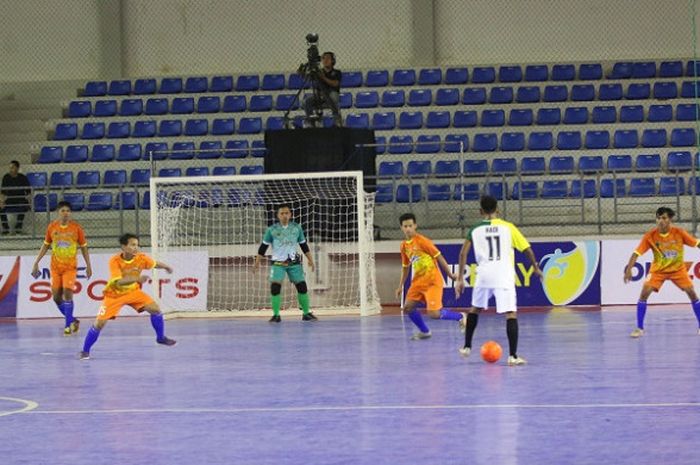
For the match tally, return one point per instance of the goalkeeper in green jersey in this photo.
(284, 236)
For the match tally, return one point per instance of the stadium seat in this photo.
(610, 188)
(61, 179)
(430, 77)
(209, 150)
(249, 126)
(208, 104)
(377, 78)
(224, 171)
(390, 169)
(234, 104)
(524, 190)
(469, 191)
(464, 119)
(474, 96)
(491, 118)
(296, 82)
(140, 177)
(501, 95)
(625, 139)
(447, 96)
(621, 70)
(367, 99)
(561, 165)
(679, 161)
(650, 162)
(421, 97)
(272, 82)
(380, 145)
(660, 113)
(497, 189)
(114, 178)
(548, 116)
(170, 128)
(118, 130)
(654, 138)
(223, 127)
(409, 194)
(411, 120)
(76, 200)
(125, 200)
(182, 106)
(576, 115)
(476, 167)
(274, 123)
(642, 187)
(145, 87)
(527, 94)
(196, 127)
(79, 109)
(438, 119)
(107, 108)
(529, 165)
(121, 87)
(102, 152)
(419, 168)
(284, 102)
(156, 106)
(683, 137)
(145, 203)
(156, 151)
(604, 115)
(128, 107)
(536, 73)
(237, 149)
(569, 140)
(582, 92)
(393, 98)
(554, 190)
(540, 141)
(456, 76)
(403, 77)
(665, 90)
(351, 79)
(619, 163)
(555, 94)
(512, 141)
(357, 120)
(439, 192)
(669, 69)
(690, 89)
(169, 172)
(510, 74)
(520, 117)
(563, 73)
(384, 193)
(485, 142)
(638, 91)
(687, 112)
(483, 75)
(197, 171)
(589, 164)
(87, 179)
(671, 186)
(66, 131)
(76, 154)
(597, 139)
(43, 203)
(182, 151)
(37, 179)
(610, 92)
(95, 89)
(170, 86)
(587, 192)
(385, 120)
(694, 185)
(455, 143)
(252, 169)
(447, 168)
(590, 71)
(400, 144)
(51, 154)
(260, 103)
(643, 70)
(93, 131)
(247, 83)
(345, 100)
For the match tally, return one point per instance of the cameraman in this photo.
(327, 90)
(14, 198)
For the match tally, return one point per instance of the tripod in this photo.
(321, 99)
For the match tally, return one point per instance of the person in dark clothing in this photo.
(14, 191)
(327, 94)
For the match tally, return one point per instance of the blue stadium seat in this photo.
(527, 94)
(497, 189)
(247, 83)
(665, 90)
(648, 162)
(420, 168)
(196, 127)
(455, 143)
(612, 188)
(125, 200)
(582, 92)
(393, 98)
(430, 77)
(209, 150)
(642, 187)
(367, 99)
(169, 172)
(93, 131)
(536, 73)
(604, 115)
(619, 163)
(170, 86)
(597, 139)
(643, 70)
(589, 164)
(145, 203)
(548, 116)
(540, 141)
(223, 127)
(380, 145)
(345, 100)
(671, 186)
(610, 92)
(679, 161)
(170, 128)
(249, 126)
(384, 193)
(409, 194)
(510, 74)
(252, 169)
(686, 112)
(384, 120)
(464, 119)
(274, 123)
(694, 185)
(438, 119)
(156, 151)
(76, 200)
(156, 106)
(273, 82)
(87, 179)
(447, 96)
(683, 137)
(95, 89)
(501, 95)
(588, 190)
(483, 75)
(669, 69)
(625, 139)
(208, 104)
(561, 165)
(411, 120)
(145, 87)
(456, 76)
(654, 138)
(140, 177)
(485, 142)
(128, 107)
(555, 94)
(260, 103)
(66, 131)
(182, 106)
(121, 87)
(439, 192)
(107, 108)
(512, 141)
(258, 149)
(520, 117)
(79, 109)
(469, 191)
(390, 169)
(590, 71)
(531, 165)
(563, 73)
(197, 171)
(42, 203)
(403, 77)
(447, 168)
(234, 104)
(102, 152)
(631, 114)
(476, 167)
(182, 151)
(621, 70)
(351, 79)
(296, 82)
(690, 89)
(224, 171)
(638, 91)
(118, 130)
(524, 190)
(76, 154)
(37, 179)
(51, 154)
(114, 178)
(554, 190)
(421, 97)
(237, 149)
(377, 78)
(576, 115)
(490, 118)
(474, 96)
(61, 179)
(660, 113)
(196, 84)
(357, 120)
(569, 140)
(400, 144)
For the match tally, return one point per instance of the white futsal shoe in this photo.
(513, 361)
(637, 333)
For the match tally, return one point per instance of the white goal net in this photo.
(224, 219)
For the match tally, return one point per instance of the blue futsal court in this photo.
(354, 391)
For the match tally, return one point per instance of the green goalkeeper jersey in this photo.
(285, 241)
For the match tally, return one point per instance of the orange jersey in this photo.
(667, 248)
(64, 242)
(421, 254)
(120, 268)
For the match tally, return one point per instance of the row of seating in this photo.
(399, 77)
(551, 189)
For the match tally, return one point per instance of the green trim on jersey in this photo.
(477, 225)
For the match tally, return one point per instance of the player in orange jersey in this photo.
(666, 242)
(419, 252)
(64, 236)
(124, 288)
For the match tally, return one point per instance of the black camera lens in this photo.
(312, 37)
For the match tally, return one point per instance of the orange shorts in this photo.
(63, 278)
(680, 278)
(431, 295)
(111, 305)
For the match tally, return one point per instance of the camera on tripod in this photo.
(312, 67)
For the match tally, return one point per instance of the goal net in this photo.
(222, 220)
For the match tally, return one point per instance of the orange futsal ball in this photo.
(491, 351)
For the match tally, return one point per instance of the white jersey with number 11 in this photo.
(493, 242)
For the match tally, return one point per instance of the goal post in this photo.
(220, 221)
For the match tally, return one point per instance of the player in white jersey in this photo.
(493, 240)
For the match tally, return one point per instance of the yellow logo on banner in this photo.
(567, 275)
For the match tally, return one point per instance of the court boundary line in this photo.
(29, 405)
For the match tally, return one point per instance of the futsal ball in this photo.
(491, 351)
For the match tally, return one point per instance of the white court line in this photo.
(29, 405)
(365, 408)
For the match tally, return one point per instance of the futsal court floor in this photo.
(350, 390)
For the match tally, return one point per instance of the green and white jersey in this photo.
(284, 241)
(493, 242)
